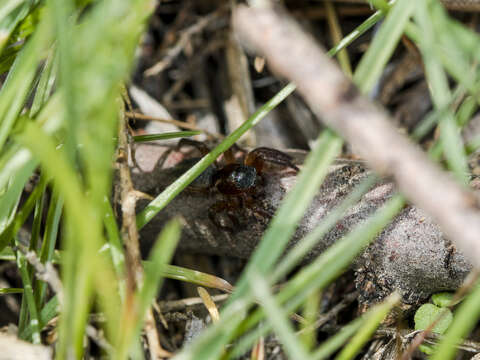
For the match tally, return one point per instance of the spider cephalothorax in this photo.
(239, 180)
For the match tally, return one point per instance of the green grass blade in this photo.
(19, 80)
(11, 197)
(373, 62)
(29, 297)
(7, 254)
(363, 325)
(49, 311)
(439, 87)
(21, 216)
(37, 218)
(49, 241)
(165, 136)
(330, 346)
(366, 331)
(82, 236)
(12, 12)
(62, 14)
(193, 276)
(160, 256)
(7, 8)
(45, 83)
(115, 244)
(5, 291)
(277, 318)
(355, 34)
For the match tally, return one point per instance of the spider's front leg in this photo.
(261, 157)
(200, 146)
(222, 214)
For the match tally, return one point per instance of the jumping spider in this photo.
(240, 184)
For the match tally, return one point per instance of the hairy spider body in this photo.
(234, 179)
(240, 184)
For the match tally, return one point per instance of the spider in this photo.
(238, 183)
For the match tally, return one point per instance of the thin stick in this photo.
(180, 124)
(134, 269)
(183, 40)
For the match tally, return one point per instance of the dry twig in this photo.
(185, 36)
(180, 124)
(134, 269)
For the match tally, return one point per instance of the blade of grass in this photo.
(8, 8)
(373, 62)
(49, 241)
(30, 298)
(21, 216)
(80, 220)
(310, 312)
(32, 246)
(45, 83)
(49, 311)
(277, 318)
(7, 254)
(5, 291)
(369, 327)
(115, 244)
(19, 80)
(330, 346)
(368, 319)
(165, 136)
(360, 30)
(194, 277)
(37, 219)
(61, 13)
(12, 12)
(439, 88)
(11, 197)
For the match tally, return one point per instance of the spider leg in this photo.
(229, 154)
(200, 146)
(261, 156)
(224, 207)
(256, 209)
